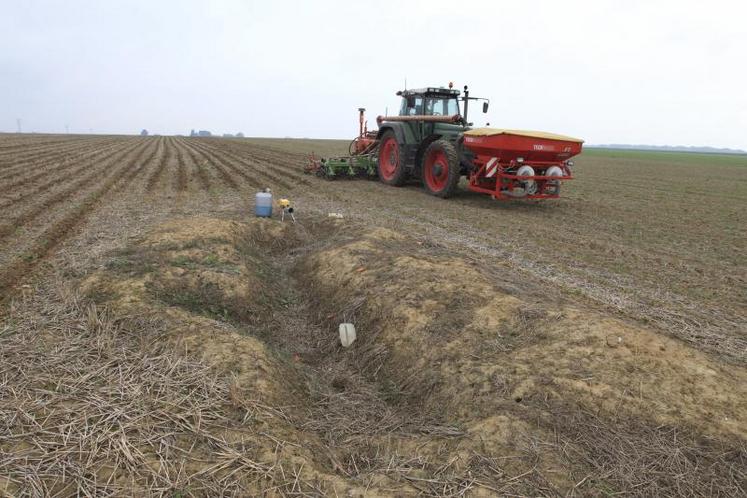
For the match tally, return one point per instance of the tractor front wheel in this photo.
(441, 169)
(391, 165)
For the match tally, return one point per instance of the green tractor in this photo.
(424, 140)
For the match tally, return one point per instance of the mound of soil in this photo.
(457, 341)
(468, 343)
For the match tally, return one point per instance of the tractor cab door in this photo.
(411, 106)
(437, 105)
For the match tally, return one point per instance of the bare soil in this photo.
(157, 339)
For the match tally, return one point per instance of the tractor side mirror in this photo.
(484, 107)
(410, 102)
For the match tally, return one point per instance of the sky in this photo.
(638, 72)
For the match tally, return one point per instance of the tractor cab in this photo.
(429, 102)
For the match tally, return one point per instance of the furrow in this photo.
(61, 172)
(224, 167)
(181, 179)
(157, 174)
(34, 157)
(12, 150)
(34, 211)
(272, 157)
(52, 236)
(253, 167)
(202, 175)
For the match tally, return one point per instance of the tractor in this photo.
(431, 140)
(423, 141)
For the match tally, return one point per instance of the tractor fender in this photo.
(466, 156)
(397, 128)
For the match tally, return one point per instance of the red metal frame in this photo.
(365, 141)
(502, 182)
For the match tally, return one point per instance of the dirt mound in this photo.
(445, 317)
(438, 333)
(206, 281)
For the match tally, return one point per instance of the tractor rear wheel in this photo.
(441, 169)
(391, 164)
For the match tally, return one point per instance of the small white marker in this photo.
(347, 334)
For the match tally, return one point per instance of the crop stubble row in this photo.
(40, 158)
(71, 189)
(16, 153)
(33, 164)
(55, 175)
(75, 203)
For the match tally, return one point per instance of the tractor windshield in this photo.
(441, 106)
(430, 106)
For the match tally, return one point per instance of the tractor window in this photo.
(441, 107)
(412, 111)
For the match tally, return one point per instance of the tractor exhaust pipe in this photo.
(466, 102)
(361, 114)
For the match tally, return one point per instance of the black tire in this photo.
(552, 189)
(555, 189)
(441, 170)
(391, 169)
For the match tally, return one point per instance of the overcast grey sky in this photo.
(653, 72)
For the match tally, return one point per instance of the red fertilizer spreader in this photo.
(519, 164)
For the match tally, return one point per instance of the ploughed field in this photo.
(156, 338)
